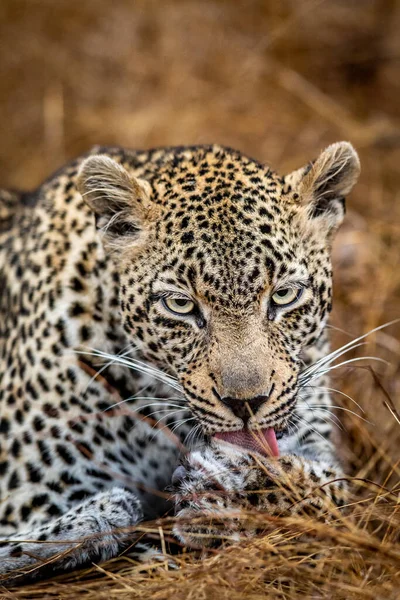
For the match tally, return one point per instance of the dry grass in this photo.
(278, 80)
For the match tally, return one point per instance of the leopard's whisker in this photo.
(181, 422)
(155, 426)
(350, 344)
(160, 398)
(158, 401)
(319, 407)
(348, 362)
(119, 356)
(303, 383)
(168, 411)
(340, 330)
(329, 418)
(137, 365)
(322, 407)
(171, 410)
(305, 422)
(104, 367)
(192, 437)
(292, 426)
(122, 360)
(133, 398)
(329, 389)
(334, 419)
(156, 429)
(328, 360)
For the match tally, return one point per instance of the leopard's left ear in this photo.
(322, 185)
(119, 200)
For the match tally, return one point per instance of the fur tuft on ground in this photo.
(278, 80)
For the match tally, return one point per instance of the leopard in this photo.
(164, 350)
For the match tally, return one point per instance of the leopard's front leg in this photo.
(217, 485)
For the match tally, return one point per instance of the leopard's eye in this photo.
(179, 306)
(286, 296)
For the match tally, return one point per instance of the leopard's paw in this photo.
(210, 492)
(218, 489)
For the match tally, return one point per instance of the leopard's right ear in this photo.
(119, 201)
(322, 185)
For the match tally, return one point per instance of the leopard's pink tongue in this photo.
(262, 441)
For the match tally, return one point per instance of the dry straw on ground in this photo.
(278, 80)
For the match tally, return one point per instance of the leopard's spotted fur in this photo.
(87, 261)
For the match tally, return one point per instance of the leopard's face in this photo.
(226, 296)
(225, 278)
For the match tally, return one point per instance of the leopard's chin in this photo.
(262, 441)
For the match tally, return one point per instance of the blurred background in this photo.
(277, 80)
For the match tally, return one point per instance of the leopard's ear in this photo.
(322, 185)
(119, 201)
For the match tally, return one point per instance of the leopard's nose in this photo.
(244, 408)
(242, 381)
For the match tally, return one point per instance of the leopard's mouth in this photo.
(262, 441)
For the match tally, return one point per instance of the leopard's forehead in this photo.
(218, 196)
(226, 224)
(213, 175)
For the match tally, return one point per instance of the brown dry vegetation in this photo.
(278, 80)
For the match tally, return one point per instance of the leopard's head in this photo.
(225, 271)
